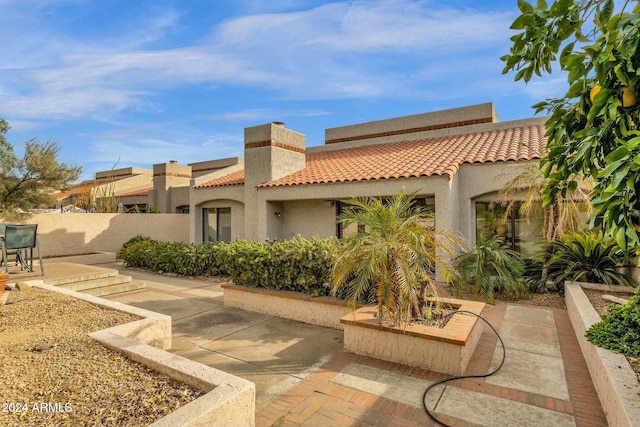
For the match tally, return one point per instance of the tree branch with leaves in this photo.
(30, 182)
(593, 130)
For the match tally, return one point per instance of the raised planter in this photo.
(447, 350)
(614, 379)
(322, 311)
(229, 400)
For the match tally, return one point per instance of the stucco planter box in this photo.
(229, 400)
(321, 311)
(447, 350)
(614, 379)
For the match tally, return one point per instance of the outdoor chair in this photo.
(20, 240)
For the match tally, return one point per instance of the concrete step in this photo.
(132, 285)
(93, 274)
(85, 285)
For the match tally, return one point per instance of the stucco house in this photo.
(456, 160)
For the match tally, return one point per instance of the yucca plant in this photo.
(393, 259)
(587, 257)
(490, 267)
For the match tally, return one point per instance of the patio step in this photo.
(86, 285)
(97, 282)
(132, 285)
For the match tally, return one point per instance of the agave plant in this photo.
(587, 257)
(393, 257)
(490, 267)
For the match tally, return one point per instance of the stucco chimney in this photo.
(165, 177)
(271, 152)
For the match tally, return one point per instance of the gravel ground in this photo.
(55, 374)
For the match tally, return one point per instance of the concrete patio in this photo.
(303, 376)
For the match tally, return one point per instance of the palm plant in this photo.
(587, 257)
(490, 267)
(393, 259)
(565, 215)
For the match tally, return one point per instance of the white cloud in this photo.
(330, 51)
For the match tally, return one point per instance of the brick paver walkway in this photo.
(319, 402)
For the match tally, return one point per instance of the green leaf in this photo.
(605, 13)
(519, 23)
(619, 153)
(525, 7)
(621, 237)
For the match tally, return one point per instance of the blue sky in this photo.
(135, 83)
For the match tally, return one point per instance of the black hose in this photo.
(504, 355)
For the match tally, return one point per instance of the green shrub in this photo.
(489, 268)
(620, 329)
(137, 252)
(587, 257)
(186, 259)
(298, 264)
(133, 241)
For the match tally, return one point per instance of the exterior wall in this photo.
(386, 137)
(477, 181)
(206, 167)
(217, 197)
(123, 185)
(309, 200)
(72, 234)
(120, 173)
(308, 218)
(166, 177)
(237, 217)
(178, 196)
(403, 126)
(271, 152)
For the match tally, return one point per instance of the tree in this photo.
(593, 129)
(30, 182)
(394, 258)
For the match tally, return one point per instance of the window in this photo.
(216, 225)
(520, 234)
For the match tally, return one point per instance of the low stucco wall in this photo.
(447, 350)
(229, 400)
(612, 376)
(321, 311)
(72, 234)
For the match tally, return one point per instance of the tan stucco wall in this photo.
(178, 196)
(484, 111)
(309, 199)
(446, 349)
(322, 311)
(70, 234)
(476, 181)
(308, 218)
(217, 197)
(237, 217)
(125, 185)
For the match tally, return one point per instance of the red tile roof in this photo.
(143, 192)
(234, 178)
(428, 157)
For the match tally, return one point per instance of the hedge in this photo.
(298, 264)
